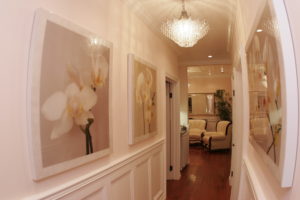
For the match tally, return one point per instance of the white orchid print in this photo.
(74, 104)
(99, 63)
(99, 71)
(144, 97)
(68, 107)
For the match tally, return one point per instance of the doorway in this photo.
(206, 170)
(172, 130)
(169, 113)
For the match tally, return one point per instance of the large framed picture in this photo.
(273, 93)
(68, 95)
(142, 99)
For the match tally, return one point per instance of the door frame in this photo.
(175, 129)
(237, 129)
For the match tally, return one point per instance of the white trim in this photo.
(38, 171)
(149, 177)
(131, 94)
(117, 166)
(284, 172)
(175, 151)
(237, 136)
(291, 97)
(253, 180)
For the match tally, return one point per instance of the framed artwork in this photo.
(142, 99)
(201, 103)
(273, 95)
(68, 95)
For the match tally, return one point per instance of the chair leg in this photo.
(201, 139)
(209, 144)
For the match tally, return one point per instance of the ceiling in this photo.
(218, 13)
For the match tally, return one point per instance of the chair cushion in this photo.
(260, 134)
(195, 133)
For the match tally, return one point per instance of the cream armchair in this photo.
(260, 129)
(221, 139)
(196, 128)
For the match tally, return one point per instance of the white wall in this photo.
(263, 183)
(183, 96)
(111, 20)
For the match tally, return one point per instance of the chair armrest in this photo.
(213, 133)
(218, 137)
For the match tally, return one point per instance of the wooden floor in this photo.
(206, 177)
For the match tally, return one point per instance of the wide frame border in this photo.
(284, 172)
(130, 64)
(33, 85)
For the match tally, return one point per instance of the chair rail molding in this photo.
(120, 178)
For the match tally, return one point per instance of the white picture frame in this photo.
(284, 169)
(135, 134)
(44, 165)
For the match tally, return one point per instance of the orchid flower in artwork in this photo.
(99, 72)
(73, 105)
(144, 97)
(99, 63)
(68, 107)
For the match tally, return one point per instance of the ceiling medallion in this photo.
(185, 31)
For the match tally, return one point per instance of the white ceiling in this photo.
(218, 13)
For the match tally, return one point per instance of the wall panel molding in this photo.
(98, 183)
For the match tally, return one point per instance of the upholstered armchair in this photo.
(260, 129)
(196, 128)
(221, 139)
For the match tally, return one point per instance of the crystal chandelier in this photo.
(185, 31)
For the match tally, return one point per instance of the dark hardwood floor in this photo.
(205, 178)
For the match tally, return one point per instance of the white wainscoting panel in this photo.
(95, 195)
(157, 175)
(120, 188)
(137, 176)
(141, 181)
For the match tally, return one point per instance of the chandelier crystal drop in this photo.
(185, 31)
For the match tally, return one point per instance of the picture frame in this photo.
(142, 99)
(201, 104)
(68, 95)
(273, 88)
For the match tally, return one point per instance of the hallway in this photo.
(206, 177)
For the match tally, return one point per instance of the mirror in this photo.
(201, 103)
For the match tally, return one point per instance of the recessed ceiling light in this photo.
(259, 30)
(209, 56)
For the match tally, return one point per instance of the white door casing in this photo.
(237, 129)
